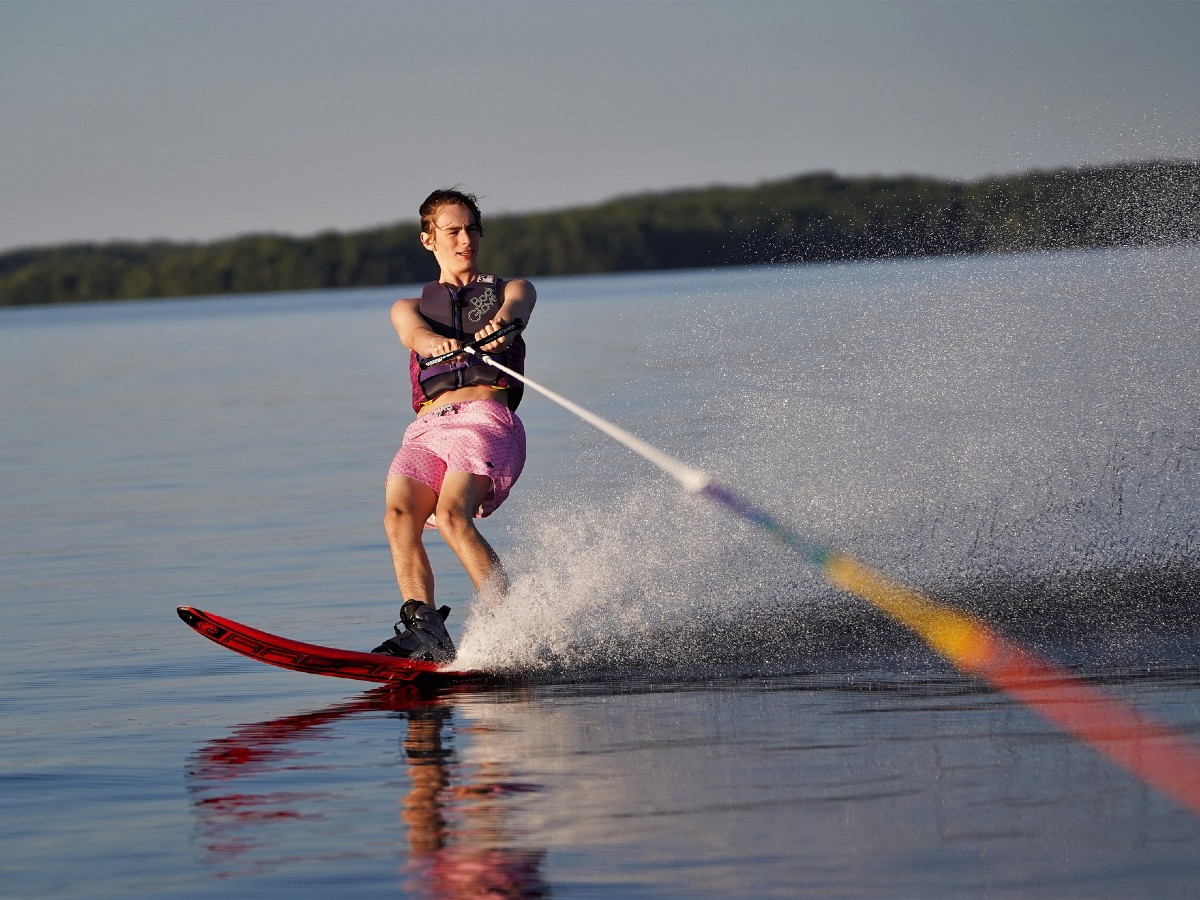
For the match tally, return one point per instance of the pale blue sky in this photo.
(184, 119)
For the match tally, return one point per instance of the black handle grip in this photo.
(515, 325)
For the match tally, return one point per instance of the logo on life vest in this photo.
(482, 304)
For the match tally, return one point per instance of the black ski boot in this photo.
(420, 634)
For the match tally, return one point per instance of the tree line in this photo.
(814, 217)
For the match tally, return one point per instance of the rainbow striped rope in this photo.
(1148, 749)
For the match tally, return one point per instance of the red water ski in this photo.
(313, 658)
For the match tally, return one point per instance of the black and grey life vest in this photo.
(459, 313)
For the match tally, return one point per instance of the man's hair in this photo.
(448, 197)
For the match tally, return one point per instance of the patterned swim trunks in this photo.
(483, 437)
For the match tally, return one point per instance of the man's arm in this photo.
(415, 333)
(519, 300)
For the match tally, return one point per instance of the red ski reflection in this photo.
(456, 818)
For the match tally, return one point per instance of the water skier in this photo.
(466, 449)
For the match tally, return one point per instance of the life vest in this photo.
(458, 313)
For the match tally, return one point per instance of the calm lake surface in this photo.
(698, 714)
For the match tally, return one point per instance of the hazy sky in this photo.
(184, 119)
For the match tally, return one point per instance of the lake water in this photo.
(699, 715)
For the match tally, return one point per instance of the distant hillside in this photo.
(812, 217)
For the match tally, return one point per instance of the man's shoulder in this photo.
(519, 287)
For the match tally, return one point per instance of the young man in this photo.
(466, 449)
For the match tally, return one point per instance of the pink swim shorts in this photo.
(483, 437)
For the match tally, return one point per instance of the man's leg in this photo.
(462, 493)
(409, 504)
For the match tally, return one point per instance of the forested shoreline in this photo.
(810, 218)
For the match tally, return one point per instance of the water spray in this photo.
(1148, 749)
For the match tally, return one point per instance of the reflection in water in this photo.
(457, 840)
(864, 783)
(459, 843)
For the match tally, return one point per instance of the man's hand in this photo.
(435, 345)
(491, 328)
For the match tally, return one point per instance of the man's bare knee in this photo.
(453, 523)
(397, 521)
